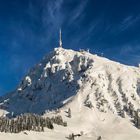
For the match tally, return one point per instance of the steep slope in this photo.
(103, 96)
(66, 76)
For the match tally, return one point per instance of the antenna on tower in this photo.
(60, 39)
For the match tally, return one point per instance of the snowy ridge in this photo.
(93, 87)
(65, 73)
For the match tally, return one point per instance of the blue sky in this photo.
(29, 30)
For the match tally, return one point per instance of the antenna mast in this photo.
(60, 39)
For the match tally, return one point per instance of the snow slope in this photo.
(97, 91)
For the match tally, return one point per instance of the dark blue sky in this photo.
(29, 30)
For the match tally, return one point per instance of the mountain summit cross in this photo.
(60, 39)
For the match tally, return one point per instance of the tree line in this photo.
(29, 122)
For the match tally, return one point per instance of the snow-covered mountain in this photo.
(99, 92)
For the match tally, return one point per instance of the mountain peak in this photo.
(66, 75)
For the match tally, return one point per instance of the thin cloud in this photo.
(52, 19)
(52, 14)
(128, 22)
(125, 24)
(126, 49)
(129, 49)
(78, 11)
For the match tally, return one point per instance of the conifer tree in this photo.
(69, 113)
